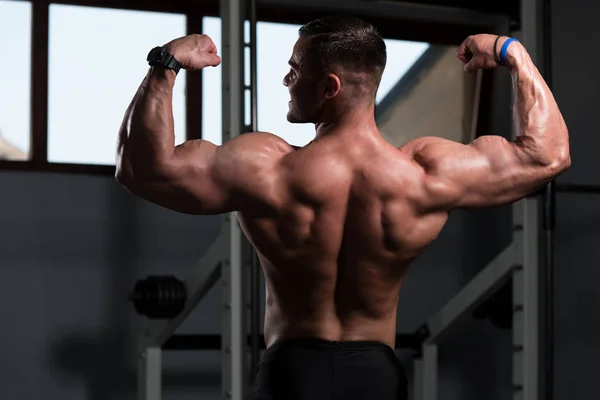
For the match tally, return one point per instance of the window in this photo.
(211, 87)
(15, 80)
(274, 47)
(97, 59)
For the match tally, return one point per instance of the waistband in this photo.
(321, 344)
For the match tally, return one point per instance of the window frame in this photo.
(432, 32)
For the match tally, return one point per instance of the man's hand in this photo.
(478, 51)
(194, 52)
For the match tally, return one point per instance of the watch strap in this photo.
(161, 57)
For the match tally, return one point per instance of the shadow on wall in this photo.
(581, 309)
(576, 288)
(103, 358)
(99, 359)
(99, 354)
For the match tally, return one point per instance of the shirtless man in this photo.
(337, 223)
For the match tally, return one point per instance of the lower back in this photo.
(359, 306)
(280, 327)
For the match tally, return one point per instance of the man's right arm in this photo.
(195, 177)
(492, 170)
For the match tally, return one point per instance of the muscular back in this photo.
(337, 223)
(337, 241)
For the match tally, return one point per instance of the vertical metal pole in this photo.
(547, 347)
(529, 375)
(255, 263)
(253, 66)
(233, 343)
(548, 226)
(150, 374)
(418, 382)
(255, 315)
(430, 372)
(526, 305)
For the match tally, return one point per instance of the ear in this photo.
(333, 85)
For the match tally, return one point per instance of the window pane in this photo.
(15, 83)
(97, 61)
(211, 87)
(401, 55)
(275, 44)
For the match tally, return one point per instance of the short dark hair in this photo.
(349, 42)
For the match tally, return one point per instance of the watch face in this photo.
(155, 54)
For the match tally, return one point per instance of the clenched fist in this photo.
(482, 51)
(194, 52)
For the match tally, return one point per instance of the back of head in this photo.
(349, 44)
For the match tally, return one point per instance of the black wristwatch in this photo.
(159, 56)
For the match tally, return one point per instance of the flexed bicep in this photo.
(491, 171)
(204, 179)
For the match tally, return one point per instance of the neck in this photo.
(355, 119)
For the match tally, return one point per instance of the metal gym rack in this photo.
(519, 261)
(226, 260)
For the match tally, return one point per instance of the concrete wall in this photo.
(439, 104)
(73, 246)
(576, 84)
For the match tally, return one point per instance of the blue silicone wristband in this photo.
(504, 50)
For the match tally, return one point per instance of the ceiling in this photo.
(508, 7)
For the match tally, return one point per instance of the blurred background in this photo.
(73, 242)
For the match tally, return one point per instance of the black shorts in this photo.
(313, 369)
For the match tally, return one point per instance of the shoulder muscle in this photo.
(248, 168)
